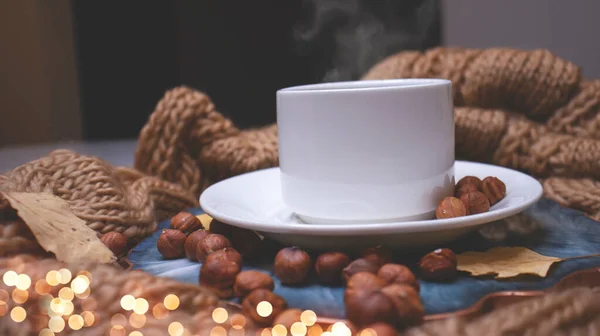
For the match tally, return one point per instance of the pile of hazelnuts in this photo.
(379, 294)
(471, 196)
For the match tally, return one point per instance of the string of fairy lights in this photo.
(58, 313)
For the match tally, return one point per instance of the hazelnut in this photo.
(398, 274)
(229, 254)
(476, 202)
(219, 274)
(379, 329)
(185, 222)
(220, 228)
(368, 307)
(360, 265)
(439, 265)
(247, 281)
(171, 244)
(191, 244)
(329, 267)
(247, 242)
(467, 188)
(472, 180)
(250, 305)
(211, 243)
(379, 254)
(450, 207)
(363, 281)
(494, 189)
(288, 317)
(292, 265)
(115, 241)
(407, 303)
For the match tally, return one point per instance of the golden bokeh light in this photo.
(340, 329)
(220, 315)
(20, 296)
(308, 317)
(18, 314)
(75, 322)
(264, 308)
(23, 282)
(65, 276)
(118, 319)
(238, 321)
(66, 294)
(86, 275)
(79, 285)
(46, 332)
(56, 324)
(56, 306)
(88, 318)
(236, 332)
(89, 304)
(298, 329)
(171, 302)
(327, 333)
(118, 330)
(175, 329)
(315, 330)
(137, 321)
(279, 330)
(367, 332)
(42, 287)
(160, 311)
(3, 308)
(141, 306)
(53, 278)
(67, 307)
(128, 302)
(265, 332)
(219, 331)
(83, 295)
(135, 333)
(10, 278)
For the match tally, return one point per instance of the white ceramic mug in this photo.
(366, 151)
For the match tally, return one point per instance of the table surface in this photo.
(115, 152)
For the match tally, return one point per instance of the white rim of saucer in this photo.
(369, 228)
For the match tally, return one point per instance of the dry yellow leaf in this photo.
(205, 220)
(505, 262)
(57, 229)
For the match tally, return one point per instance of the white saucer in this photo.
(253, 201)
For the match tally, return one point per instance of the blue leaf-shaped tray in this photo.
(546, 228)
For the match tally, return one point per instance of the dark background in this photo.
(238, 52)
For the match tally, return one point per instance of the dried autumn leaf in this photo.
(506, 262)
(57, 229)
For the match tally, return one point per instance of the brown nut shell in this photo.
(398, 274)
(467, 188)
(219, 273)
(379, 255)
(363, 281)
(292, 266)
(450, 207)
(191, 244)
(494, 189)
(250, 303)
(229, 254)
(247, 281)
(409, 309)
(368, 307)
(211, 243)
(360, 265)
(472, 180)
(329, 267)
(115, 241)
(185, 222)
(171, 244)
(439, 265)
(476, 202)
(288, 317)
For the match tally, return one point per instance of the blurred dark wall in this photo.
(238, 52)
